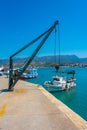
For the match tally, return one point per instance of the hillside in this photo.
(63, 59)
(49, 59)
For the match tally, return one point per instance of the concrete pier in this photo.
(31, 107)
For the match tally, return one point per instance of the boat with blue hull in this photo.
(31, 74)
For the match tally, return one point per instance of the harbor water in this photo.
(75, 98)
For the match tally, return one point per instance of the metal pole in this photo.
(10, 73)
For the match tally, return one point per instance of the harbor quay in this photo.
(31, 107)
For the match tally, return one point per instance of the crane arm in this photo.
(47, 34)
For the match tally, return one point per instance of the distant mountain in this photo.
(49, 59)
(63, 59)
(83, 60)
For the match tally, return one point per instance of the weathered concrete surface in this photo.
(30, 107)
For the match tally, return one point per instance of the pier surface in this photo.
(30, 107)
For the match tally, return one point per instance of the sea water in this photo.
(75, 98)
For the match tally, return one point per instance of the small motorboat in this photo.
(59, 83)
(1, 70)
(32, 74)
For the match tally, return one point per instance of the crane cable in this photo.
(59, 43)
(57, 65)
(55, 47)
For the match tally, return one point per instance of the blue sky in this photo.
(23, 20)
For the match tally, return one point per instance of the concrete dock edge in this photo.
(76, 119)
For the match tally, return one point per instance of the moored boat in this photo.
(32, 74)
(59, 83)
(1, 70)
